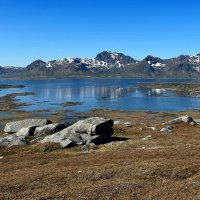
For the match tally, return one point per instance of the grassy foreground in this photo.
(165, 167)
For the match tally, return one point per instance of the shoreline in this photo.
(10, 105)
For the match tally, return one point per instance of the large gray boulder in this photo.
(13, 140)
(95, 129)
(13, 127)
(49, 129)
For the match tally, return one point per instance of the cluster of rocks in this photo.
(96, 130)
(169, 124)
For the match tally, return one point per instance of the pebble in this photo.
(152, 128)
(148, 137)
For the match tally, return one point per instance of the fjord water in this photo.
(122, 94)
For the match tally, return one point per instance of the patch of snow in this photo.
(158, 65)
(10, 67)
(195, 59)
(119, 65)
(93, 63)
(112, 56)
(48, 65)
(70, 60)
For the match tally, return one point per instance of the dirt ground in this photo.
(165, 167)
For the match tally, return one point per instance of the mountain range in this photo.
(109, 64)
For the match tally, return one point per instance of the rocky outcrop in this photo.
(95, 129)
(13, 127)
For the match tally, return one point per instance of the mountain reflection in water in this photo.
(88, 92)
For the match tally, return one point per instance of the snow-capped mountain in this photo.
(104, 62)
(10, 70)
(109, 63)
(106, 59)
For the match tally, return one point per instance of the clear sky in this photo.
(54, 29)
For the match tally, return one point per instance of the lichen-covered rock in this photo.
(13, 127)
(13, 140)
(95, 129)
(49, 129)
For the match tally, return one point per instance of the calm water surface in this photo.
(122, 94)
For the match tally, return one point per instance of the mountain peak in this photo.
(37, 64)
(114, 58)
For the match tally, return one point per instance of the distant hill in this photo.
(107, 64)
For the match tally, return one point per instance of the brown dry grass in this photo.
(166, 167)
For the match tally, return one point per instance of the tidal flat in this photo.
(166, 166)
(6, 86)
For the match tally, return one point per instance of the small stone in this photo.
(166, 129)
(148, 137)
(117, 122)
(85, 149)
(152, 128)
(93, 146)
(197, 121)
(127, 124)
(193, 123)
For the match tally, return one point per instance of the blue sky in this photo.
(53, 29)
